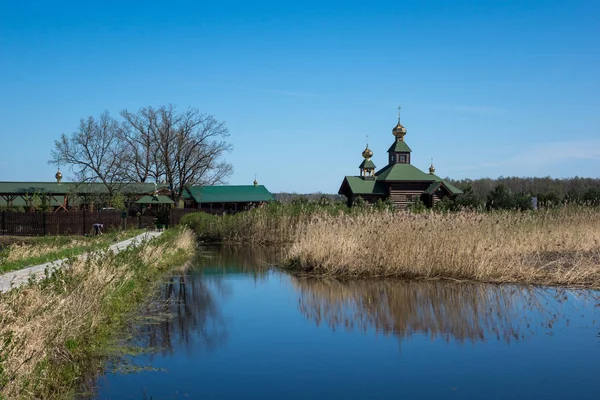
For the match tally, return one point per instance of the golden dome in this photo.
(367, 153)
(399, 131)
(255, 182)
(58, 176)
(431, 169)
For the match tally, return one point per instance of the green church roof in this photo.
(366, 164)
(359, 185)
(399, 146)
(230, 194)
(438, 183)
(450, 187)
(403, 172)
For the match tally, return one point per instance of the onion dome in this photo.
(367, 153)
(399, 131)
(58, 176)
(431, 169)
(255, 182)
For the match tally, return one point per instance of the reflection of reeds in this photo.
(188, 302)
(184, 306)
(252, 259)
(465, 312)
(546, 247)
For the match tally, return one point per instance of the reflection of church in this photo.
(398, 181)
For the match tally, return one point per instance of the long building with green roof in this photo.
(61, 195)
(226, 198)
(399, 180)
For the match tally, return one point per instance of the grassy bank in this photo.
(552, 247)
(34, 251)
(56, 332)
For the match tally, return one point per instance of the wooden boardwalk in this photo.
(14, 279)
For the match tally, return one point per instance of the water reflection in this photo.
(228, 322)
(453, 311)
(187, 308)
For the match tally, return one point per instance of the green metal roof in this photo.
(359, 185)
(433, 187)
(399, 146)
(230, 194)
(367, 164)
(438, 183)
(160, 199)
(403, 172)
(74, 187)
(450, 187)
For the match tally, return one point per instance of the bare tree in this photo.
(93, 152)
(150, 145)
(139, 137)
(182, 149)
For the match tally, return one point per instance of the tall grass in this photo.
(39, 250)
(557, 247)
(553, 247)
(51, 331)
(274, 224)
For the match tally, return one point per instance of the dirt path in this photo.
(16, 278)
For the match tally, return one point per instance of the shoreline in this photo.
(58, 330)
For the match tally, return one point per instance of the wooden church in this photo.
(399, 180)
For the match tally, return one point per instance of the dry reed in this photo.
(42, 322)
(554, 247)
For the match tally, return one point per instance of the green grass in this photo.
(45, 249)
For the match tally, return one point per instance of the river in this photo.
(231, 326)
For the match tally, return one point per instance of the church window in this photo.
(403, 158)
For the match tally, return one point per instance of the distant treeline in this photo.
(500, 193)
(572, 190)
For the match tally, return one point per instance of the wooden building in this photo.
(399, 180)
(66, 196)
(226, 199)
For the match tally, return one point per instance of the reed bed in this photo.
(553, 247)
(265, 226)
(51, 329)
(549, 247)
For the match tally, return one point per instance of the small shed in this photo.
(156, 199)
(226, 198)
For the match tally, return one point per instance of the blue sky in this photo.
(487, 89)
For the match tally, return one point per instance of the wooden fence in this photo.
(75, 222)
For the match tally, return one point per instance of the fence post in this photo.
(3, 224)
(83, 216)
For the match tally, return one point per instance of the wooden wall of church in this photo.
(402, 194)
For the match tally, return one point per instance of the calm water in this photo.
(241, 330)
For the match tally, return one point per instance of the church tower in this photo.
(367, 167)
(399, 152)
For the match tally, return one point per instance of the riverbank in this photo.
(56, 332)
(546, 247)
(22, 252)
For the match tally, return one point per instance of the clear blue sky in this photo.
(486, 88)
